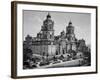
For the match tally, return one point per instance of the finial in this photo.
(70, 23)
(48, 16)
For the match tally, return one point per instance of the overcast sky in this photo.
(33, 20)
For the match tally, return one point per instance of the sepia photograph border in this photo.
(14, 37)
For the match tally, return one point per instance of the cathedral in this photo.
(47, 44)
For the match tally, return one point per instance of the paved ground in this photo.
(72, 63)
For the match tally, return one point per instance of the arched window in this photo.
(63, 51)
(43, 53)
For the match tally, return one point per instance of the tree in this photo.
(61, 57)
(27, 54)
(88, 55)
(54, 58)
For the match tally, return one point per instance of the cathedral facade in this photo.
(47, 44)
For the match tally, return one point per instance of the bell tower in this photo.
(48, 28)
(70, 32)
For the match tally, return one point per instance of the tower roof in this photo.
(48, 19)
(48, 16)
(70, 23)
